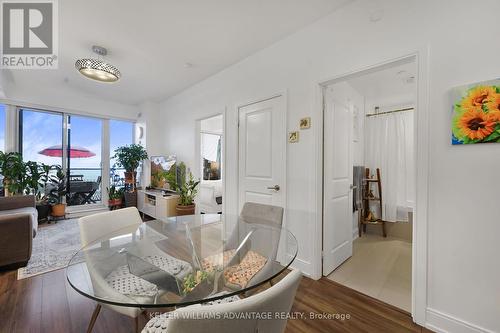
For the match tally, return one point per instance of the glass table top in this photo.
(181, 260)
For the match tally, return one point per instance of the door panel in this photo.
(262, 136)
(337, 202)
(258, 144)
(259, 197)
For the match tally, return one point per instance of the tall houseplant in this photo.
(186, 188)
(129, 157)
(15, 173)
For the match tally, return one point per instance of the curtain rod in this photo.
(392, 111)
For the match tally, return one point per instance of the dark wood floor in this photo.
(46, 303)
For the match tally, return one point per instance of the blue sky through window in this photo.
(41, 130)
(120, 134)
(2, 127)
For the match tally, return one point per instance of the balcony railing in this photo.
(85, 186)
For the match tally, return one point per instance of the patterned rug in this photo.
(53, 247)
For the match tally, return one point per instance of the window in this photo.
(42, 139)
(121, 133)
(84, 160)
(41, 136)
(2, 127)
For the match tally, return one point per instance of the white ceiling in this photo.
(386, 83)
(151, 41)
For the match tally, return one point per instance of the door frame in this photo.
(224, 149)
(420, 216)
(284, 95)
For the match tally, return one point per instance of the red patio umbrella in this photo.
(74, 152)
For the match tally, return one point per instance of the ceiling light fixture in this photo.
(98, 69)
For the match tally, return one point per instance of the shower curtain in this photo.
(389, 146)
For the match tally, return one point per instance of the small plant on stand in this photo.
(57, 193)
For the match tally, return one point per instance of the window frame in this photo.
(14, 139)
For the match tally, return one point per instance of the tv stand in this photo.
(155, 204)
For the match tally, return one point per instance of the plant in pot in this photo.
(115, 196)
(14, 172)
(37, 184)
(57, 193)
(187, 190)
(129, 157)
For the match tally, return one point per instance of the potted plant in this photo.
(37, 183)
(14, 172)
(187, 190)
(57, 193)
(115, 196)
(129, 157)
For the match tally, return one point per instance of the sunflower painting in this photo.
(476, 113)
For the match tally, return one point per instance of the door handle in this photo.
(352, 187)
(275, 187)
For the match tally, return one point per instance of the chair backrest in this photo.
(262, 214)
(243, 316)
(94, 226)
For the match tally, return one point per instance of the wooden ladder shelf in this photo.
(367, 195)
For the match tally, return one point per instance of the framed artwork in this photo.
(160, 166)
(293, 137)
(476, 113)
(305, 123)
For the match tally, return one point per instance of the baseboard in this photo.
(355, 234)
(302, 265)
(444, 323)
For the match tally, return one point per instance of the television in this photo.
(160, 167)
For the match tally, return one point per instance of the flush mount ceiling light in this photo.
(98, 69)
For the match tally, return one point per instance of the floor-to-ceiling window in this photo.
(2, 127)
(121, 133)
(79, 150)
(2, 140)
(84, 160)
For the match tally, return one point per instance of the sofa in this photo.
(18, 226)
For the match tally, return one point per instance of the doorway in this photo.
(211, 164)
(369, 180)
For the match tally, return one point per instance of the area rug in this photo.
(53, 247)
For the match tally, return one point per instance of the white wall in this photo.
(463, 247)
(213, 125)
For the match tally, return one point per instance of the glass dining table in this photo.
(181, 261)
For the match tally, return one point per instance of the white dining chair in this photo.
(262, 214)
(112, 280)
(255, 213)
(264, 242)
(242, 316)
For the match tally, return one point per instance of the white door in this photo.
(337, 176)
(262, 155)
